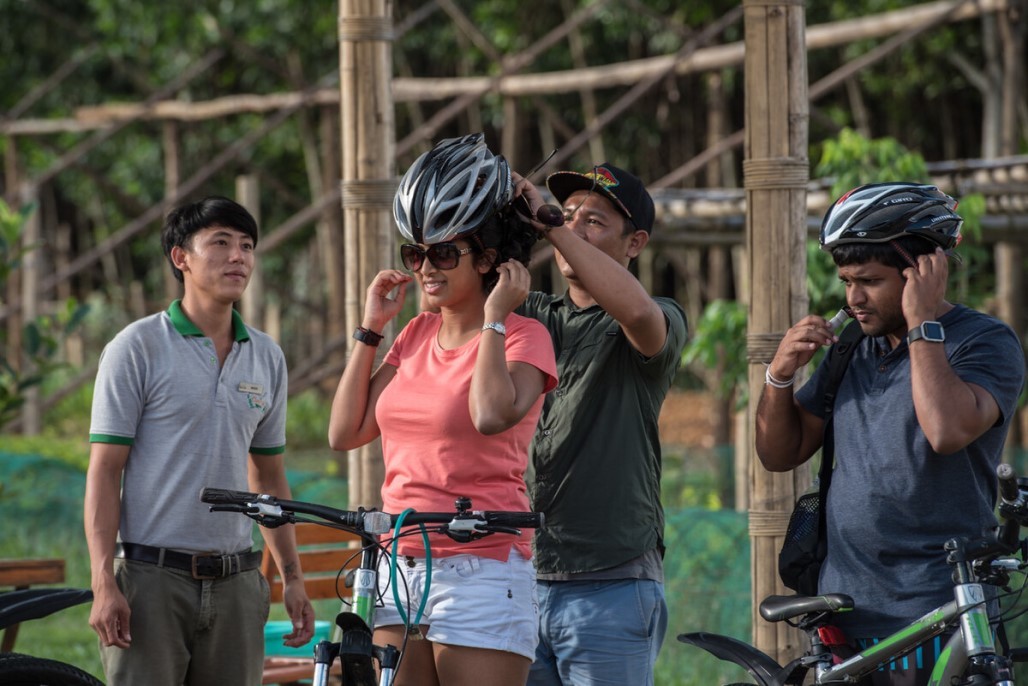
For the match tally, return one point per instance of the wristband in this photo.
(367, 336)
(772, 381)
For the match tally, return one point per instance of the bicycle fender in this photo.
(760, 666)
(36, 603)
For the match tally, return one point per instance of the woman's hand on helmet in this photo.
(799, 345)
(925, 287)
(509, 292)
(385, 298)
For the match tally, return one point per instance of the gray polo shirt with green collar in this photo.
(190, 424)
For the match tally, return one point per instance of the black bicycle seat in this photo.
(777, 608)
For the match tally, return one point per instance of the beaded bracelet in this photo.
(772, 381)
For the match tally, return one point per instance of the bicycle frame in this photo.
(973, 638)
(969, 656)
(355, 649)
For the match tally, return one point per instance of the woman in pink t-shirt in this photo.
(456, 401)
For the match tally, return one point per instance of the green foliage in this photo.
(41, 337)
(11, 248)
(307, 421)
(852, 160)
(719, 342)
(73, 452)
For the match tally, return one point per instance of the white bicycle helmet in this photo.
(881, 212)
(451, 190)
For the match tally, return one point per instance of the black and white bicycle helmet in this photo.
(451, 190)
(881, 212)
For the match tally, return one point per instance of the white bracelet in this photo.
(772, 381)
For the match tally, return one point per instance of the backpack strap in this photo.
(838, 360)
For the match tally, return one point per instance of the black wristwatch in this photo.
(928, 331)
(367, 336)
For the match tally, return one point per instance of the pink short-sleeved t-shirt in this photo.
(433, 453)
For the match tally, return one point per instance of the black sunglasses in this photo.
(444, 256)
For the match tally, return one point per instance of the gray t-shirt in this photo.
(191, 423)
(893, 501)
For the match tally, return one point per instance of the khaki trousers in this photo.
(189, 632)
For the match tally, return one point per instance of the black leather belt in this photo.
(201, 566)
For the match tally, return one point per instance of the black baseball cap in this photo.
(625, 190)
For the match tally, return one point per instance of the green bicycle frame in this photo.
(974, 638)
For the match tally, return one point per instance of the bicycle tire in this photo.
(25, 670)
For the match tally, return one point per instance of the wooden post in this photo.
(368, 185)
(31, 414)
(330, 231)
(775, 172)
(252, 304)
(172, 180)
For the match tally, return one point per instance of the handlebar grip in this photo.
(1008, 488)
(224, 496)
(516, 520)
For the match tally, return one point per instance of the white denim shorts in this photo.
(473, 601)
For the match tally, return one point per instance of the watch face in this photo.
(933, 331)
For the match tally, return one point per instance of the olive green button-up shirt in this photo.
(595, 460)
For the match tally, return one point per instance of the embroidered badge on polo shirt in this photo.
(245, 387)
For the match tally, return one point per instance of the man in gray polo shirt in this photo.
(919, 420)
(595, 459)
(188, 398)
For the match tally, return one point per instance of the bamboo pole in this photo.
(368, 184)
(172, 149)
(31, 414)
(606, 76)
(330, 228)
(775, 174)
(252, 304)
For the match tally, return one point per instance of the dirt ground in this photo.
(686, 419)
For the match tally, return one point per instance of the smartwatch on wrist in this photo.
(367, 336)
(928, 331)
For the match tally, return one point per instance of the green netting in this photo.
(36, 490)
(707, 583)
(707, 565)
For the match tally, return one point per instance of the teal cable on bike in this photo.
(392, 571)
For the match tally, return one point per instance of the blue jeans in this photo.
(598, 632)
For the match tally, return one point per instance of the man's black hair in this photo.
(849, 254)
(215, 210)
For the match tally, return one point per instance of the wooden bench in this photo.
(21, 574)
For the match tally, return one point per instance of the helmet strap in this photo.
(904, 254)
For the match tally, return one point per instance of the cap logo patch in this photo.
(603, 177)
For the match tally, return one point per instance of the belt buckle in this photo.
(204, 577)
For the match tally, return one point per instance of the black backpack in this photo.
(805, 547)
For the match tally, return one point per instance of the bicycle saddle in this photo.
(777, 608)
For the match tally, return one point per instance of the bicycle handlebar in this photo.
(461, 522)
(1013, 511)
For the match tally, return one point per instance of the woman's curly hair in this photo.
(511, 237)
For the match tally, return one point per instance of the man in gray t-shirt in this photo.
(184, 399)
(919, 420)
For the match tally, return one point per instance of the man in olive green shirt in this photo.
(596, 461)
